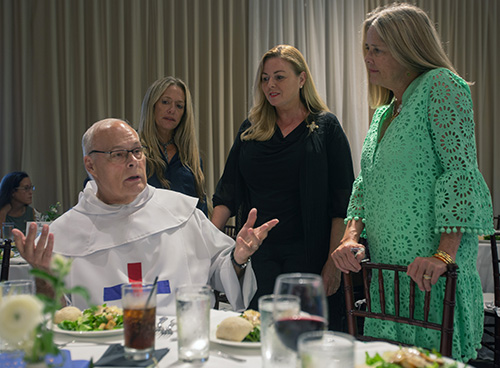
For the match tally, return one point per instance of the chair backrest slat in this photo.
(412, 299)
(396, 293)
(366, 283)
(6, 246)
(381, 290)
(427, 303)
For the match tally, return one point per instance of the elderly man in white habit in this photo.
(123, 230)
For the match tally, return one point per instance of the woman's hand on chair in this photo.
(425, 271)
(348, 255)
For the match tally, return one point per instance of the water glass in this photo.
(193, 322)
(139, 316)
(274, 352)
(326, 349)
(7, 228)
(39, 227)
(16, 287)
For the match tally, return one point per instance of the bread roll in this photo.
(67, 314)
(233, 329)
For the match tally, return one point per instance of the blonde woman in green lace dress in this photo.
(420, 199)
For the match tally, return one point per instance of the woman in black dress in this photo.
(291, 160)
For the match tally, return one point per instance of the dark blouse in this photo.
(181, 180)
(303, 179)
(271, 174)
(20, 222)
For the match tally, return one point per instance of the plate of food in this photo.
(97, 321)
(242, 331)
(380, 354)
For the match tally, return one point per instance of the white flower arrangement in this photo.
(19, 316)
(52, 213)
(25, 319)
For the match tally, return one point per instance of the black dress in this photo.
(304, 180)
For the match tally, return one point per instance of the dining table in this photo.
(84, 348)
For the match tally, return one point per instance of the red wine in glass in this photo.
(289, 329)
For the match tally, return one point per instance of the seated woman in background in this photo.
(167, 130)
(16, 195)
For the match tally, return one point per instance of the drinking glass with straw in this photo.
(139, 316)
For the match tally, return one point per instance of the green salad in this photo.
(97, 318)
(408, 357)
(253, 317)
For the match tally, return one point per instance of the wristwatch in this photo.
(242, 266)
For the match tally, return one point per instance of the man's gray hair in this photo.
(88, 136)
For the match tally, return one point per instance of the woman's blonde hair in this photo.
(411, 39)
(262, 114)
(184, 135)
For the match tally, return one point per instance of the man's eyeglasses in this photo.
(26, 188)
(121, 156)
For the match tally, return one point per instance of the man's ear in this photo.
(89, 165)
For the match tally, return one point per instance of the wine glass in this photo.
(313, 313)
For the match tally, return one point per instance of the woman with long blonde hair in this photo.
(291, 160)
(167, 131)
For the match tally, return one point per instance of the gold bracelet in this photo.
(444, 256)
(437, 256)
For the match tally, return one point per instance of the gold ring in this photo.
(427, 277)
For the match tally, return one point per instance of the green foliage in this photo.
(43, 342)
(52, 213)
(254, 335)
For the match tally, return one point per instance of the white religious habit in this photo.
(161, 233)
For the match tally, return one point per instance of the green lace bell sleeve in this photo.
(462, 198)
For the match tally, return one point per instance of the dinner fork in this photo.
(160, 324)
(167, 331)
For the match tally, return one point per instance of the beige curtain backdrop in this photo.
(67, 63)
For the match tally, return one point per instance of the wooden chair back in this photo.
(446, 327)
(493, 329)
(230, 231)
(6, 246)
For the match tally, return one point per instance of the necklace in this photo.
(396, 111)
(165, 145)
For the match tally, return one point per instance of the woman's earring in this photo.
(407, 74)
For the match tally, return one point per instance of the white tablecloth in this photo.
(484, 265)
(19, 269)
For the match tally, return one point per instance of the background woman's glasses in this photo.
(26, 188)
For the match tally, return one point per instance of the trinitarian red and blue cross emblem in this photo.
(134, 272)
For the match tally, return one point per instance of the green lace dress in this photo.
(419, 181)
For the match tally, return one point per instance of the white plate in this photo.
(216, 317)
(243, 344)
(381, 347)
(103, 333)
